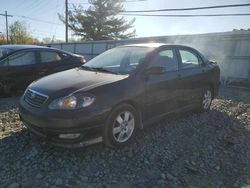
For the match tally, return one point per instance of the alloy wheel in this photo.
(123, 126)
(207, 99)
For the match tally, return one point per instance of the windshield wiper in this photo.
(87, 68)
(99, 69)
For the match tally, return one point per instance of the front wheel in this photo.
(121, 126)
(206, 99)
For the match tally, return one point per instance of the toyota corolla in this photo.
(118, 92)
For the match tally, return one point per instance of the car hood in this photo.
(73, 80)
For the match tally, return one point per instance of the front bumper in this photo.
(49, 124)
(86, 137)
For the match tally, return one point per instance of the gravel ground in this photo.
(211, 149)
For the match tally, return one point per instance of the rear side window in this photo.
(165, 58)
(189, 59)
(21, 58)
(48, 57)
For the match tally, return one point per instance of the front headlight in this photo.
(72, 102)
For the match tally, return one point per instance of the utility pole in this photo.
(7, 27)
(66, 21)
(6, 22)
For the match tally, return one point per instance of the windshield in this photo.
(4, 52)
(121, 60)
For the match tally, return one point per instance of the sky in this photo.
(40, 17)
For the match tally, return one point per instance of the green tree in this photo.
(19, 34)
(100, 21)
(2, 39)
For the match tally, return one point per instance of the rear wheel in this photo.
(206, 99)
(121, 126)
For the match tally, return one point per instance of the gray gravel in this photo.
(195, 150)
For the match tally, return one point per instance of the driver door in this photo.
(162, 90)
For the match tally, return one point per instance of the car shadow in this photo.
(199, 149)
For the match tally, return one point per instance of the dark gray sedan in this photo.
(22, 64)
(117, 92)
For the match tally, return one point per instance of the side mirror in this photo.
(155, 70)
(212, 62)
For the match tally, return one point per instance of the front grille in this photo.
(34, 98)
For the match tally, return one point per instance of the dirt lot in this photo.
(211, 149)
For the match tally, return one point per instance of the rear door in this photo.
(20, 67)
(192, 75)
(52, 61)
(162, 90)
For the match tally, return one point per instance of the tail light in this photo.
(82, 60)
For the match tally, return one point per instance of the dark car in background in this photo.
(22, 64)
(117, 92)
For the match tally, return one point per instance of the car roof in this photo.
(154, 45)
(22, 47)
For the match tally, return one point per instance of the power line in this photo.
(6, 22)
(185, 15)
(46, 34)
(189, 8)
(55, 27)
(38, 20)
(37, 7)
(131, 1)
(31, 6)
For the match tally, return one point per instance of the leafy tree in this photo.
(2, 39)
(19, 34)
(100, 21)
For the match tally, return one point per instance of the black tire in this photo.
(207, 97)
(110, 137)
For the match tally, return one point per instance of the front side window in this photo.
(21, 58)
(47, 57)
(166, 59)
(188, 59)
(121, 60)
